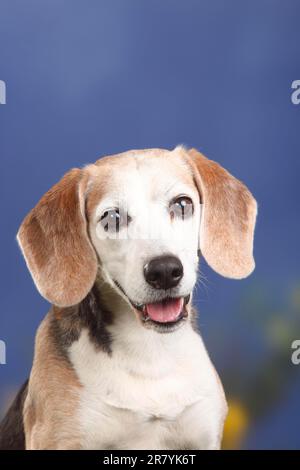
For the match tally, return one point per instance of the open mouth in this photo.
(166, 312)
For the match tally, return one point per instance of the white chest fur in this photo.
(155, 391)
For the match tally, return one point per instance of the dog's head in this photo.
(140, 219)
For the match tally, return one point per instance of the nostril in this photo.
(176, 273)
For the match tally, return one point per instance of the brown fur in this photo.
(54, 241)
(53, 397)
(228, 218)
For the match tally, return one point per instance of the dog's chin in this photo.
(164, 316)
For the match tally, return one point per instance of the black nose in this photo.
(163, 272)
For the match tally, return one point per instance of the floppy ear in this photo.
(227, 219)
(55, 243)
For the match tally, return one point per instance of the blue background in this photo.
(88, 78)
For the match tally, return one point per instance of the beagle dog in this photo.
(119, 362)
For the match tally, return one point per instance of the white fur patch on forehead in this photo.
(141, 154)
(157, 162)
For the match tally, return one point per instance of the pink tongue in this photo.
(166, 311)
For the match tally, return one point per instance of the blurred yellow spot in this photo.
(235, 426)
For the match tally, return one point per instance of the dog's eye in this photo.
(182, 207)
(112, 220)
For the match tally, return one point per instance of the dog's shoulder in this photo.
(53, 393)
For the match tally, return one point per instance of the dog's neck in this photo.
(111, 298)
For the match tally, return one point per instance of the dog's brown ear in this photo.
(227, 218)
(55, 243)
